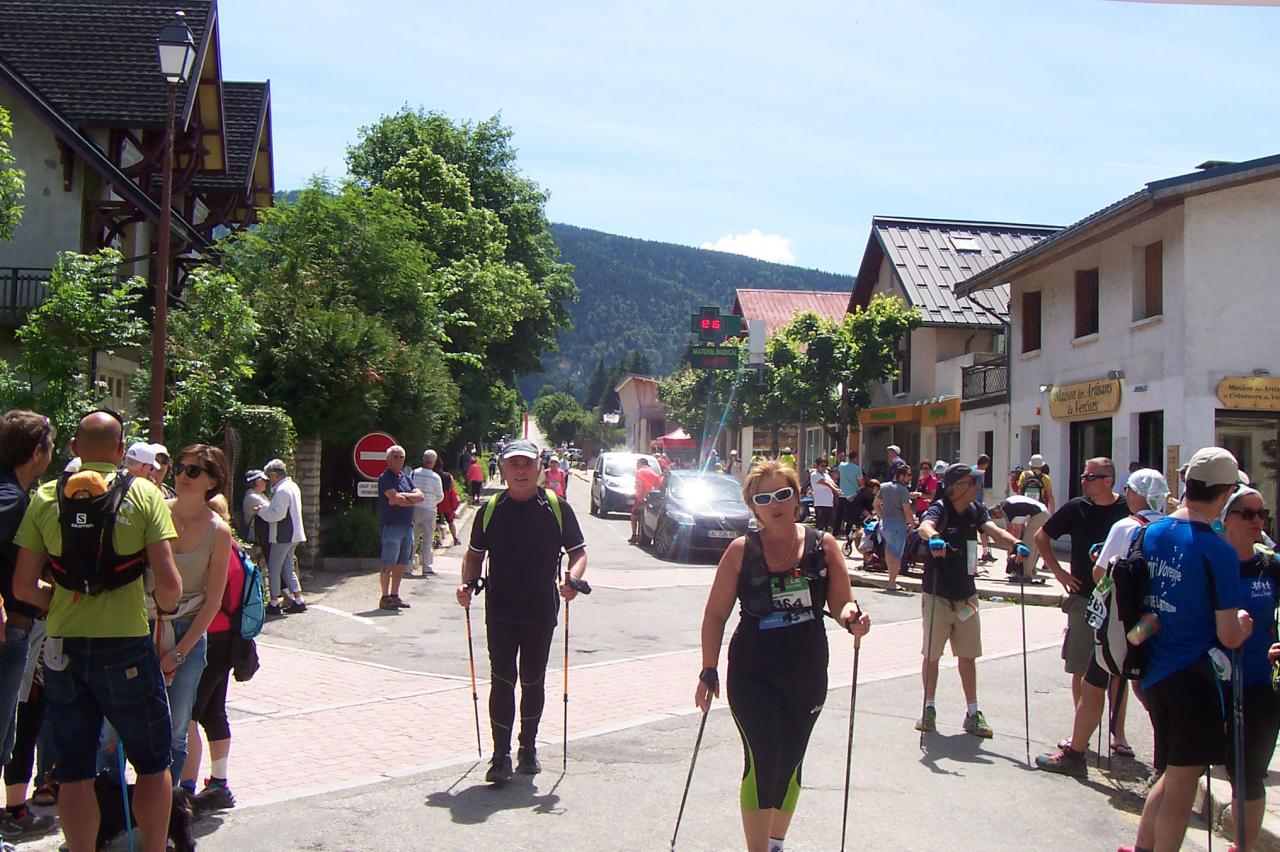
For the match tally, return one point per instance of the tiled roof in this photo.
(777, 307)
(243, 104)
(95, 60)
(930, 257)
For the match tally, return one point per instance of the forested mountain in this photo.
(637, 295)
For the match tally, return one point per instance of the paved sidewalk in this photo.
(311, 723)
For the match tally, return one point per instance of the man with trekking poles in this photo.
(522, 532)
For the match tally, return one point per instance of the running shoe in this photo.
(527, 762)
(216, 796)
(29, 824)
(987, 559)
(1066, 762)
(274, 611)
(396, 599)
(499, 769)
(296, 607)
(929, 721)
(976, 724)
(388, 602)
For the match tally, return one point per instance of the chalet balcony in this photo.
(21, 289)
(986, 382)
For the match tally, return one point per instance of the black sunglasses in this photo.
(1090, 477)
(192, 471)
(1250, 514)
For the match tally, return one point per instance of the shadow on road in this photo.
(475, 804)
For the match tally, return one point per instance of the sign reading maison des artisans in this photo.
(1085, 399)
(1257, 393)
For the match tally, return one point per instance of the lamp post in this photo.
(177, 52)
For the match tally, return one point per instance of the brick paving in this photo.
(310, 723)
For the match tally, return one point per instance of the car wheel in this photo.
(664, 541)
(595, 508)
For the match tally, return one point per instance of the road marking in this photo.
(338, 657)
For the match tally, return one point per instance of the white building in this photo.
(1146, 330)
(922, 261)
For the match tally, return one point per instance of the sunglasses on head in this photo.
(192, 471)
(1090, 477)
(1250, 514)
(782, 495)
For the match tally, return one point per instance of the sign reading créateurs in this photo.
(1258, 393)
(1084, 399)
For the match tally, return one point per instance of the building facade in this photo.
(1143, 331)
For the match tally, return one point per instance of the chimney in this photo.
(1213, 164)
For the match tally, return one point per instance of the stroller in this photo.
(871, 547)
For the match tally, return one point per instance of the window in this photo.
(948, 448)
(1031, 321)
(1086, 302)
(111, 384)
(964, 242)
(1148, 282)
(1151, 439)
(902, 382)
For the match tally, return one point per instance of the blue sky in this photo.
(697, 122)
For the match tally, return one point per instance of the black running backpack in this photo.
(1116, 607)
(89, 563)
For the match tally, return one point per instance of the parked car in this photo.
(613, 482)
(694, 511)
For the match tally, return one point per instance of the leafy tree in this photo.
(596, 386)
(90, 312)
(545, 409)
(10, 182)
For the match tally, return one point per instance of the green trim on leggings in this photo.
(793, 793)
(748, 794)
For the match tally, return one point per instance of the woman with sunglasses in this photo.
(1244, 520)
(783, 576)
(201, 552)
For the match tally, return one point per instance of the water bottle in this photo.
(1146, 627)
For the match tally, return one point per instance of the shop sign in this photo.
(1084, 399)
(1257, 393)
(942, 413)
(889, 414)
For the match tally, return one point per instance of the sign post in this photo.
(370, 454)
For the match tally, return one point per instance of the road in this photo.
(358, 732)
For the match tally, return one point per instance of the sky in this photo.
(774, 130)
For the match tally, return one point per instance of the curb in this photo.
(1217, 810)
(1037, 595)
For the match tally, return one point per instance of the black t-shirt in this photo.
(13, 505)
(949, 574)
(524, 543)
(1088, 524)
(1016, 506)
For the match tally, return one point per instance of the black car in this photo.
(694, 511)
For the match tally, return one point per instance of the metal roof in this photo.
(777, 307)
(931, 257)
(1155, 195)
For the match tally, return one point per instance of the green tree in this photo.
(596, 386)
(10, 182)
(91, 312)
(546, 408)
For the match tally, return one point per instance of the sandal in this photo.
(1122, 749)
(46, 795)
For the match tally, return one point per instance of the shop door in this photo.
(1089, 439)
(1252, 439)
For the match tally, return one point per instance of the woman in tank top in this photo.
(201, 552)
(784, 576)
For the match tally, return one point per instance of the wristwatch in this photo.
(179, 657)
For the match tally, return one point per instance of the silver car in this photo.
(613, 482)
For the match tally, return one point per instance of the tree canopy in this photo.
(10, 182)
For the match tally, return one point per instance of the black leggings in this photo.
(210, 708)
(777, 686)
(1261, 724)
(30, 717)
(533, 644)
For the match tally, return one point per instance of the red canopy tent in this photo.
(678, 438)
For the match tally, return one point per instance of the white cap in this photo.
(1037, 460)
(160, 450)
(142, 453)
(895, 448)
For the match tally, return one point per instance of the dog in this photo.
(112, 821)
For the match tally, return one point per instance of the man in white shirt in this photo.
(824, 491)
(284, 514)
(428, 482)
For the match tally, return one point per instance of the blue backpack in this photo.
(250, 610)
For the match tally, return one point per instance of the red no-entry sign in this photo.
(370, 454)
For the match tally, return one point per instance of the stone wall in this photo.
(307, 475)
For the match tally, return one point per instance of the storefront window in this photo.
(1252, 439)
(949, 444)
(1089, 439)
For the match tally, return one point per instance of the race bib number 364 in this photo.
(792, 604)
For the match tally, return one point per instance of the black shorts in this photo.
(1261, 724)
(1095, 675)
(1188, 718)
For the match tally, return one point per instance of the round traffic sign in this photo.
(370, 454)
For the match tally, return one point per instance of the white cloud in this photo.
(772, 247)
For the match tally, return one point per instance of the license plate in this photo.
(722, 534)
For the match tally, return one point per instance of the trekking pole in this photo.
(928, 653)
(1026, 689)
(702, 726)
(1208, 805)
(584, 588)
(1237, 736)
(124, 793)
(477, 585)
(853, 704)
(1111, 714)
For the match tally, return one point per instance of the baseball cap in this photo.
(520, 448)
(142, 453)
(939, 466)
(1149, 484)
(254, 475)
(954, 473)
(895, 448)
(1037, 460)
(160, 450)
(1214, 466)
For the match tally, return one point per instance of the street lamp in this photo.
(177, 52)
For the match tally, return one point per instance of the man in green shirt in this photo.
(99, 660)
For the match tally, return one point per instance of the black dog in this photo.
(112, 822)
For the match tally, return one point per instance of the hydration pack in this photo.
(250, 608)
(756, 586)
(89, 563)
(1116, 607)
(1033, 485)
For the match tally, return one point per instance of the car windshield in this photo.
(625, 465)
(705, 489)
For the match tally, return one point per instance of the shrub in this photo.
(353, 530)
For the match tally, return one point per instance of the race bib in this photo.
(792, 604)
(1097, 608)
